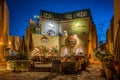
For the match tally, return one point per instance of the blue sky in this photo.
(22, 10)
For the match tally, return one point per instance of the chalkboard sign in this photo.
(56, 66)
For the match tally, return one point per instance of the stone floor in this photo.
(21, 76)
(91, 73)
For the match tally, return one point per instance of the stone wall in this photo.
(53, 41)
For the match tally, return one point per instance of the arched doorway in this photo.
(51, 33)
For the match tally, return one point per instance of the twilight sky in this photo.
(22, 10)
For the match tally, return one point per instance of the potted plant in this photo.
(108, 63)
(84, 63)
(116, 73)
(18, 62)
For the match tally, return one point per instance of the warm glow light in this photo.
(75, 36)
(1, 43)
(77, 24)
(9, 43)
(51, 25)
(65, 31)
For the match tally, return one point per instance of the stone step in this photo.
(44, 69)
(38, 67)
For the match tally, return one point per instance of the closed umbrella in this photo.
(23, 47)
(30, 45)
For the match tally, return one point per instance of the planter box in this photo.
(56, 66)
(108, 73)
(18, 65)
(102, 71)
(69, 67)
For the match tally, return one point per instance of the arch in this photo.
(51, 33)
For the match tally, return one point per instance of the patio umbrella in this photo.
(30, 45)
(117, 45)
(22, 47)
(13, 43)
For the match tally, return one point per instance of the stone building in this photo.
(112, 33)
(116, 28)
(110, 37)
(4, 29)
(71, 29)
(116, 18)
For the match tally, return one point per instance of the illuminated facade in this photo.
(73, 30)
(110, 37)
(116, 28)
(116, 18)
(4, 28)
(112, 32)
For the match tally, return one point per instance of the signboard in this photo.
(65, 16)
(78, 27)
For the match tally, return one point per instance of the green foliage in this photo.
(10, 58)
(22, 56)
(101, 54)
(107, 59)
(18, 56)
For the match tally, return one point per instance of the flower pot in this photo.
(11, 65)
(18, 65)
(108, 73)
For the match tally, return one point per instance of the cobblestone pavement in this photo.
(7, 75)
(91, 73)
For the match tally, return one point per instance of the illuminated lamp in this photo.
(9, 43)
(44, 39)
(75, 36)
(77, 24)
(65, 31)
